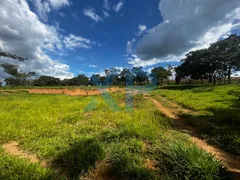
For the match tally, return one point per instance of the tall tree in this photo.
(228, 54)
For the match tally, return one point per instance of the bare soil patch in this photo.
(75, 92)
(12, 148)
(102, 171)
(230, 161)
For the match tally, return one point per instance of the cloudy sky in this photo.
(64, 38)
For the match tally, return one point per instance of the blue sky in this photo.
(64, 38)
(112, 33)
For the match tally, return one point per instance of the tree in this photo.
(218, 61)
(126, 77)
(159, 74)
(17, 78)
(47, 81)
(140, 76)
(113, 76)
(95, 80)
(81, 79)
(227, 52)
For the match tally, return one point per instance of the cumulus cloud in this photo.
(90, 12)
(22, 33)
(117, 7)
(44, 7)
(142, 28)
(188, 25)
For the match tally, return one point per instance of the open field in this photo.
(57, 136)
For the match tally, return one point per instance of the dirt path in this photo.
(12, 148)
(229, 160)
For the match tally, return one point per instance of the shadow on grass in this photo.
(221, 129)
(80, 157)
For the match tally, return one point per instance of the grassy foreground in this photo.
(216, 112)
(75, 134)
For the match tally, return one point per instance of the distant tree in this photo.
(126, 77)
(140, 76)
(47, 81)
(95, 80)
(159, 74)
(113, 76)
(81, 79)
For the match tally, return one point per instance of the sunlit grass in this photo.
(216, 112)
(74, 133)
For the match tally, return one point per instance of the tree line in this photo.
(113, 76)
(216, 63)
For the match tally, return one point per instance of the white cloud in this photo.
(142, 29)
(117, 7)
(57, 4)
(106, 14)
(106, 5)
(93, 66)
(136, 61)
(130, 45)
(90, 12)
(72, 42)
(188, 25)
(22, 33)
(44, 7)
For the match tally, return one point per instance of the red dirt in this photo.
(74, 92)
(230, 161)
(12, 148)
(103, 171)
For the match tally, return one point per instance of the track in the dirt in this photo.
(228, 160)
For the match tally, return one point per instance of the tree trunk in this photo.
(210, 79)
(214, 80)
(229, 74)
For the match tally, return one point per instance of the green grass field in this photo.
(216, 112)
(75, 134)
